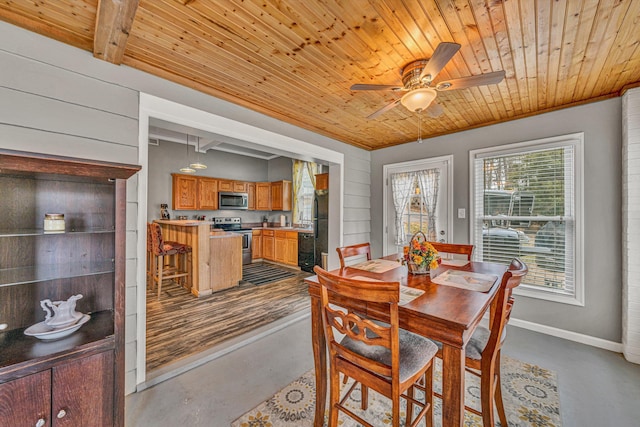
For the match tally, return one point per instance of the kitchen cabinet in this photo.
(251, 190)
(263, 196)
(78, 380)
(74, 394)
(256, 244)
(286, 247)
(232, 186)
(281, 196)
(225, 185)
(322, 181)
(268, 245)
(185, 192)
(207, 193)
(240, 187)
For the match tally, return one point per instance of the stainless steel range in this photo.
(235, 224)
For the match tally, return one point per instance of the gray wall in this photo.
(601, 124)
(58, 99)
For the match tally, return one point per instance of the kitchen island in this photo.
(216, 255)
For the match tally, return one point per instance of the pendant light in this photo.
(197, 164)
(187, 169)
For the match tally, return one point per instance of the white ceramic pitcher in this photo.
(61, 313)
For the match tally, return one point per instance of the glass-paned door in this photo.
(417, 198)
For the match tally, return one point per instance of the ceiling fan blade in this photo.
(383, 109)
(375, 87)
(434, 110)
(465, 82)
(443, 54)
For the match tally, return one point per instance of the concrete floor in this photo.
(597, 388)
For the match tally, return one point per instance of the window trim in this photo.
(577, 141)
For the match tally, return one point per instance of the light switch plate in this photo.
(462, 213)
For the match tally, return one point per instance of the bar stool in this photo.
(167, 253)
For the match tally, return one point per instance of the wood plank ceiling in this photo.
(295, 60)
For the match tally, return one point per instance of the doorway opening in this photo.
(232, 132)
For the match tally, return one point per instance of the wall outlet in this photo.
(462, 213)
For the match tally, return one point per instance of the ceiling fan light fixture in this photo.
(418, 99)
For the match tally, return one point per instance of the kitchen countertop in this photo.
(296, 229)
(183, 222)
(223, 234)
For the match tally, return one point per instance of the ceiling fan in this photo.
(417, 79)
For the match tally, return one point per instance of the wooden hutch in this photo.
(79, 379)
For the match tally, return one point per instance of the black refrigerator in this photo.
(321, 224)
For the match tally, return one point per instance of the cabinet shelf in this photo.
(25, 232)
(17, 349)
(41, 273)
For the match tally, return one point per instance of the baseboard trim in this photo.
(568, 335)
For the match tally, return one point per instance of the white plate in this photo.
(44, 332)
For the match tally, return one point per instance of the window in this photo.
(303, 190)
(526, 201)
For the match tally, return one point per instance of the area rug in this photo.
(261, 274)
(530, 396)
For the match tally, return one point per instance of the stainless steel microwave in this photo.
(236, 201)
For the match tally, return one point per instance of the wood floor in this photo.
(180, 325)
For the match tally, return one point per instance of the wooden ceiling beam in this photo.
(114, 19)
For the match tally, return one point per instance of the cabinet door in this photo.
(207, 193)
(256, 246)
(225, 185)
(83, 392)
(240, 186)
(276, 196)
(263, 196)
(251, 190)
(322, 181)
(292, 250)
(185, 190)
(268, 247)
(26, 401)
(280, 250)
(286, 195)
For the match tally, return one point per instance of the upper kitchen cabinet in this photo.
(207, 193)
(230, 186)
(79, 379)
(185, 192)
(263, 196)
(281, 196)
(322, 181)
(251, 191)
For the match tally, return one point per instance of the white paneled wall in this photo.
(631, 224)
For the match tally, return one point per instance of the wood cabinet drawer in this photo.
(281, 234)
(257, 232)
(267, 233)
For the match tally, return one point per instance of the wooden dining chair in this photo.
(454, 249)
(347, 254)
(376, 355)
(483, 350)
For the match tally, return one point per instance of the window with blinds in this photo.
(526, 200)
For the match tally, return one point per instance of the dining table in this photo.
(444, 313)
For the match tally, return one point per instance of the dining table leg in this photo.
(452, 386)
(320, 360)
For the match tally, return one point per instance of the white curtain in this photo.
(429, 182)
(401, 187)
(302, 211)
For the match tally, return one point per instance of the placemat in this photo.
(455, 262)
(478, 282)
(377, 265)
